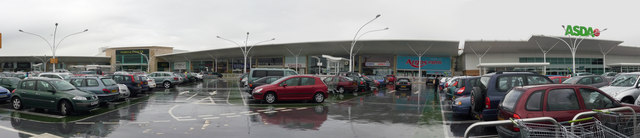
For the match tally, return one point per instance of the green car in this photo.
(52, 94)
(9, 82)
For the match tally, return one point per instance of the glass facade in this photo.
(626, 69)
(562, 66)
(132, 60)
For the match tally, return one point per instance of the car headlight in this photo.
(459, 103)
(79, 98)
(257, 90)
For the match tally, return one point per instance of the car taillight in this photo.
(141, 82)
(105, 90)
(446, 85)
(515, 128)
(14, 90)
(132, 80)
(361, 83)
(408, 83)
(487, 103)
(460, 90)
(454, 84)
(175, 78)
(250, 85)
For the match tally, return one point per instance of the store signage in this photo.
(577, 30)
(427, 63)
(180, 65)
(133, 51)
(377, 64)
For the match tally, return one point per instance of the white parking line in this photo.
(85, 123)
(279, 108)
(241, 96)
(263, 110)
(209, 118)
(187, 119)
(162, 121)
(285, 110)
(270, 112)
(392, 91)
(204, 116)
(246, 112)
(252, 114)
(444, 126)
(192, 96)
(19, 131)
(226, 114)
(181, 93)
(139, 122)
(233, 116)
(301, 108)
(111, 123)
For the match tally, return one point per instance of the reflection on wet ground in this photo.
(219, 108)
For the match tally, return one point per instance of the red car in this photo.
(295, 87)
(340, 84)
(557, 101)
(558, 79)
(390, 79)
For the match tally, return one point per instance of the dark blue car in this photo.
(461, 106)
(5, 94)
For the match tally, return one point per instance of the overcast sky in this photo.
(194, 24)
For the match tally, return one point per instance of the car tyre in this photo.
(16, 103)
(476, 99)
(270, 97)
(318, 97)
(166, 84)
(65, 108)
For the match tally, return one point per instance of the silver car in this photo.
(165, 79)
(624, 87)
(590, 80)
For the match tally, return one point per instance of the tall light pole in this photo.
(246, 48)
(573, 47)
(54, 46)
(355, 39)
(148, 63)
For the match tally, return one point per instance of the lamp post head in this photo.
(377, 15)
(20, 31)
(247, 33)
(386, 28)
(56, 24)
(273, 38)
(217, 36)
(604, 29)
(85, 30)
(562, 26)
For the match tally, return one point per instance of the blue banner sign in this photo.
(428, 63)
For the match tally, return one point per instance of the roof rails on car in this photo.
(502, 72)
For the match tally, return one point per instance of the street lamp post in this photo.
(355, 39)
(246, 48)
(53, 46)
(148, 63)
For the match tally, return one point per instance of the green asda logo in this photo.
(577, 30)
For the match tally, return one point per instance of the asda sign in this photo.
(577, 30)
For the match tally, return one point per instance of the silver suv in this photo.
(624, 87)
(165, 79)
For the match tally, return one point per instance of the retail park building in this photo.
(381, 57)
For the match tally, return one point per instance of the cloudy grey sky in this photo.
(194, 24)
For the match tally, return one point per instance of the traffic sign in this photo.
(53, 60)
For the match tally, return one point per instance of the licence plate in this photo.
(94, 103)
(113, 90)
(403, 86)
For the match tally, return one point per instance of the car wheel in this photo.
(166, 85)
(340, 90)
(65, 108)
(16, 103)
(628, 100)
(318, 97)
(270, 98)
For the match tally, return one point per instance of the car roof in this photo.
(552, 86)
(630, 73)
(41, 78)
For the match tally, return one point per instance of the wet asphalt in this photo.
(219, 108)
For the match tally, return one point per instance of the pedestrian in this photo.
(436, 84)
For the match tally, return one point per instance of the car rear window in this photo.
(534, 103)
(108, 82)
(511, 99)
(505, 83)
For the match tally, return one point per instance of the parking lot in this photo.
(218, 107)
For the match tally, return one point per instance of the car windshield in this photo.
(88, 72)
(570, 80)
(62, 85)
(65, 76)
(108, 82)
(626, 80)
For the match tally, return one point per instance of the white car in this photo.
(124, 91)
(152, 83)
(62, 76)
(624, 87)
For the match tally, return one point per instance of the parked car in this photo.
(379, 79)
(390, 79)
(624, 87)
(262, 81)
(340, 84)
(105, 88)
(485, 99)
(257, 73)
(144, 83)
(20, 75)
(443, 82)
(371, 83)
(558, 79)
(465, 86)
(403, 83)
(150, 82)
(214, 74)
(461, 106)
(582, 74)
(132, 82)
(123, 91)
(5, 94)
(52, 94)
(87, 73)
(590, 80)
(10, 83)
(243, 80)
(295, 87)
(610, 75)
(62, 76)
(561, 102)
(165, 79)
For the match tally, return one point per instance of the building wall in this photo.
(471, 60)
(153, 51)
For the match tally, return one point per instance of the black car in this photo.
(262, 81)
(403, 84)
(493, 88)
(132, 83)
(358, 78)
